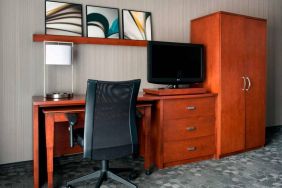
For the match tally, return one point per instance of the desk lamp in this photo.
(58, 53)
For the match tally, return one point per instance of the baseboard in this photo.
(20, 163)
(274, 126)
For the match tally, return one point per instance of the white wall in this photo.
(21, 60)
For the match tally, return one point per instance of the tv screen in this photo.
(175, 63)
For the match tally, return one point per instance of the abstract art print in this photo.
(137, 25)
(102, 22)
(63, 19)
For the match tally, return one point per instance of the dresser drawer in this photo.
(183, 108)
(182, 129)
(188, 149)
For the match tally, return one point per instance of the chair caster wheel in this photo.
(149, 171)
(133, 175)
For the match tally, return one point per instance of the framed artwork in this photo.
(137, 25)
(63, 18)
(102, 22)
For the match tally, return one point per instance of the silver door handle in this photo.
(191, 107)
(193, 148)
(191, 128)
(244, 78)
(249, 83)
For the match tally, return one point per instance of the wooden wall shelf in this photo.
(88, 40)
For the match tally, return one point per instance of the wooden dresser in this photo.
(183, 129)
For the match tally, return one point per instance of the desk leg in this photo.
(148, 162)
(49, 131)
(35, 146)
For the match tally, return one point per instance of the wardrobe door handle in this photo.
(249, 83)
(244, 78)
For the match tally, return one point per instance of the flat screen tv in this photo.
(175, 63)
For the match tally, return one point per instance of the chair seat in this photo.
(104, 153)
(79, 136)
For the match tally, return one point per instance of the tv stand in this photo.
(183, 129)
(176, 91)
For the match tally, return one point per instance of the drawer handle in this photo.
(191, 107)
(191, 128)
(191, 148)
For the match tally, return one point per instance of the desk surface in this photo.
(80, 99)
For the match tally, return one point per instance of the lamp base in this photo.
(57, 95)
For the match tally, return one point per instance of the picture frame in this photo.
(137, 25)
(62, 18)
(102, 22)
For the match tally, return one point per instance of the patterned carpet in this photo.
(259, 168)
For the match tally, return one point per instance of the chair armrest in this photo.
(72, 119)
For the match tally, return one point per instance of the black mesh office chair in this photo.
(110, 130)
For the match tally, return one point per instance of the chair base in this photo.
(103, 175)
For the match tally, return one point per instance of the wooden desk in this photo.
(47, 112)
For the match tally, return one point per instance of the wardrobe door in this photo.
(255, 65)
(232, 132)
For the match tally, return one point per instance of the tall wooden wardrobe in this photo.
(236, 70)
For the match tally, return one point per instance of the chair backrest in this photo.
(110, 128)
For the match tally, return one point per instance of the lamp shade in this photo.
(58, 53)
